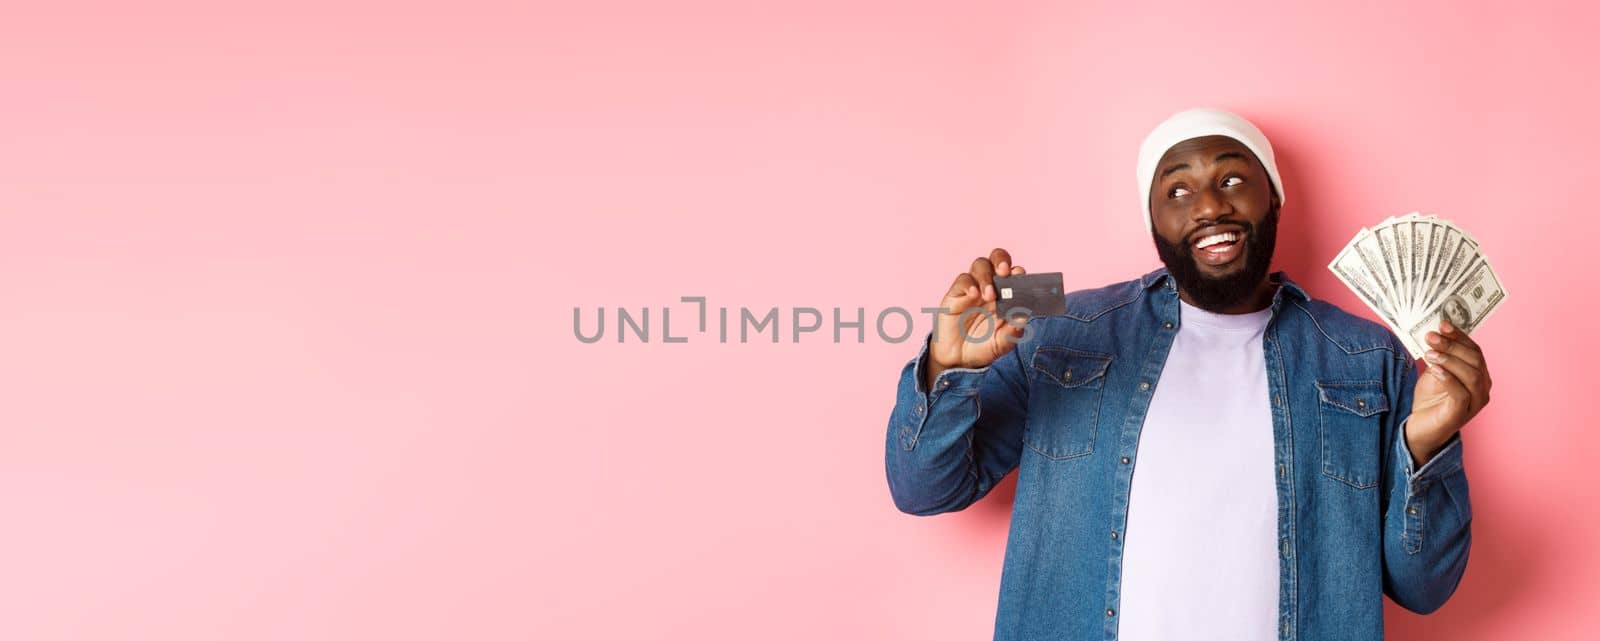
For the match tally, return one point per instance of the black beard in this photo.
(1217, 294)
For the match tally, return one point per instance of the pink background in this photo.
(286, 347)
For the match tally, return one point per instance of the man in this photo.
(1205, 452)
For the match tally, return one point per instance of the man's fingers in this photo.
(964, 292)
(1455, 349)
(975, 288)
(1453, 387)
(983, 272)
(962, 295)
(1460, 369)
(1458, 346)
(1001, 259)
(1463, 374)
(1462, 346)
(1463, 351)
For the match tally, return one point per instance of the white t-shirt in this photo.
(1201, 556)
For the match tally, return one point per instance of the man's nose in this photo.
(1210, 205)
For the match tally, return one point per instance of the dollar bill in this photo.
(1466, 306)
(1415, 270)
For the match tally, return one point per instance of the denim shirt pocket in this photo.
(1064, 402)
(1351, 415)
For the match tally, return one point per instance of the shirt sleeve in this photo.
(948, 446)
(1428, 516)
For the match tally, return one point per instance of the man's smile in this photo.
(1216, 248)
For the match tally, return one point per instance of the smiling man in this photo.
(1205, 452)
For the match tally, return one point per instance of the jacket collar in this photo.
(1286, 286)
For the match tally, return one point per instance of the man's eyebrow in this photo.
(1230, 154)
(1220, 157)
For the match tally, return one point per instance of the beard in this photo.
(1214, 294)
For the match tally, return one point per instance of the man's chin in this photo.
(1221, 272)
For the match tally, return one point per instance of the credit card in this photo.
(1033, 294)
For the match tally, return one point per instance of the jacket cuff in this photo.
(1428, 491)
(949, 380)
(1444, 462)
(914, 403)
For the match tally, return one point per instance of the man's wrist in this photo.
(1422, 447)
(933, 368)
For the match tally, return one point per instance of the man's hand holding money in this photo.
(1452, 390)
(1420, 273)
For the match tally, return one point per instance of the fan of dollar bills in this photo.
(1414, 270)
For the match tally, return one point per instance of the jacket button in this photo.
(1167, 325)
(1113, 535)
(1067, 375)
(1125, 460)
(1110, 613)
(1412, 510)
(1361, 404)
(1144, 386)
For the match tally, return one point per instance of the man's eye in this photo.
(1177, 191)
(1225, 182)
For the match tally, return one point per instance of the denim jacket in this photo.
(1065, 408)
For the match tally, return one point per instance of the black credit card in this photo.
(1033, 294)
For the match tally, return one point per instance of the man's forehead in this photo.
(1206, 150)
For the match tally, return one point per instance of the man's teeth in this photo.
(1216, 238)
